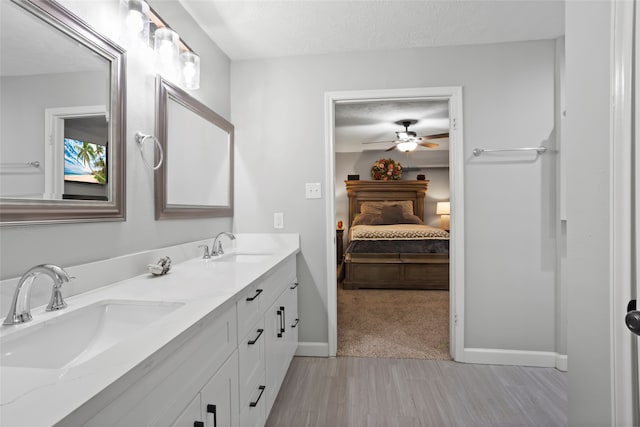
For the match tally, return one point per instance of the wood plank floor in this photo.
(350, 391)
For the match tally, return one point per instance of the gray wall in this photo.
(588, 38)
(71, 244)
(278, 110)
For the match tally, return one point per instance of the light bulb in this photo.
(190, 68)
(407, 146)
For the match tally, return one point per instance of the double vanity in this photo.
(207, 344)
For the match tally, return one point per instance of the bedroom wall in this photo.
(24, 246)
(508, 89)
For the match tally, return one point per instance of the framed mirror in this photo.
(62, 120)
(196, 178)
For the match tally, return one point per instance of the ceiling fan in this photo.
(408, 140)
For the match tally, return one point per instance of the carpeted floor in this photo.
(393, 324)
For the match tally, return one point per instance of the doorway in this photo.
(452, 96)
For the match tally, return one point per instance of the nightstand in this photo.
(339, 245)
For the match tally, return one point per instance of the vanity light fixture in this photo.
(175, 60)
(137, 21)
(190, 70)
(167, 49)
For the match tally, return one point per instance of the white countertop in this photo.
(42, 397)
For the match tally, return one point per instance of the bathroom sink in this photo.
(241, 257)
(72, 338)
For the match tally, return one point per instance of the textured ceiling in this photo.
(273, 28)
(356, 123)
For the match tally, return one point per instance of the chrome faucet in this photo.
(216, 249)
(20, 310)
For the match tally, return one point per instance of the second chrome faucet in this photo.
(216, 248)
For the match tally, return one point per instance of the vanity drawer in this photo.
(251, 353)
(250, 308)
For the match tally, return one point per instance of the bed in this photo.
(387, 246)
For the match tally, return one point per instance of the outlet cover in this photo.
(278, 220)
(313, 190)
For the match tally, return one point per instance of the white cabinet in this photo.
(224, 371)
(264, 363)
(216, 405)
(281, 327)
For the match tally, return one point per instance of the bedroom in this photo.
(367, 325)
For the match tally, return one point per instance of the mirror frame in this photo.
(165, 90)
(28, 212)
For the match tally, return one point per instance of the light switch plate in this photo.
(313, 190)
(278, 220)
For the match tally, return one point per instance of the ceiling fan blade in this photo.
(428, 144)
(436, 136)
(391, 148)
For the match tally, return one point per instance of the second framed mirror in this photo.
(196, 177)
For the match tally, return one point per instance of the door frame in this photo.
(623, 391)
(456, 188)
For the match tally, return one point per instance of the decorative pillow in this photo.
(367, 219)
(395, 214)
(375, 208)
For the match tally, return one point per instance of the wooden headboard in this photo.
(380, 191)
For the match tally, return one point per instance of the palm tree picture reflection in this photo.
(84, 162)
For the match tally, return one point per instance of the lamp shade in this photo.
(407, 146)
(443, 208)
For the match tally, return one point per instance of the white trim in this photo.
(312, 349)
(562, 362)
(496, 356)
(456, 188)
(620, 256)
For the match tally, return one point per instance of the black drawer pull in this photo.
(198, 424)
(295, 285)
(254, 404)
(295, 323)
(253, 341)
(279, 314)
(258, 292)
(212, 410)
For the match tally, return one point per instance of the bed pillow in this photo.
(395, 214)
(375, 208)
(367, 219)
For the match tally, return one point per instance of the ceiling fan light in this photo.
(407, 146)
(403, 135)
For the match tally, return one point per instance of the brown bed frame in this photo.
(392, 271)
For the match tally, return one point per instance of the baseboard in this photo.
(562, 362)
(313, 349)
(493, 356)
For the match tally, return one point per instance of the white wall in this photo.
(278, 110)
(588, 37)
(24, 246)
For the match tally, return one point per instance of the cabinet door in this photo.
(275, 347)
(291, 337)
(190, 415)
(219, 396)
